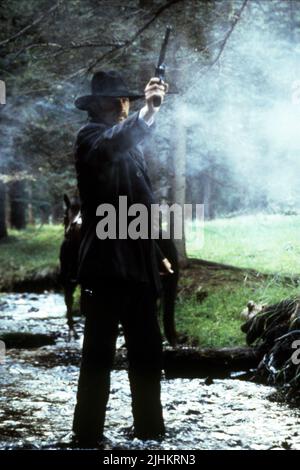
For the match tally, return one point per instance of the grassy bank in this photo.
(267, 243)
(270, 244)
(216, 321)
(28, 252)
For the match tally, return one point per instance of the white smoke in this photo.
(244, 112)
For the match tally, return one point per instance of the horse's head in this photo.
(72, 210)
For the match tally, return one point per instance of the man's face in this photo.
(115, 109)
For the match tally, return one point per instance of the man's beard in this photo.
(114, 118)
(122, 117)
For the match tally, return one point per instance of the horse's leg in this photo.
(169, 293)
(168, 306)
(69, 298)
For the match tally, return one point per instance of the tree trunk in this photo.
(30, 211)
(3, 228)
(207, 196)
(17, 195)
(292, 10)
(179, 179)
(45, 213)
(57, 210)
(178, 139)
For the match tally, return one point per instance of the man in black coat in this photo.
(119, 276)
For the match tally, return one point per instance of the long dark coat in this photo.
(110, 163)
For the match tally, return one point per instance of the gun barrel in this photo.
(164, 47)
(160, 69)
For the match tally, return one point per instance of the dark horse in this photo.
(68, 268)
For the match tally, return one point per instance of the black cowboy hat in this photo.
(106, 84)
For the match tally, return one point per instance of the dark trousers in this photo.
(134, 306)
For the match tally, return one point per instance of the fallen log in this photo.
(209, 362)
(187, 362)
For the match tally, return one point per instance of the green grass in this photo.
(216, 322)
(267, 243)
(29, 251)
